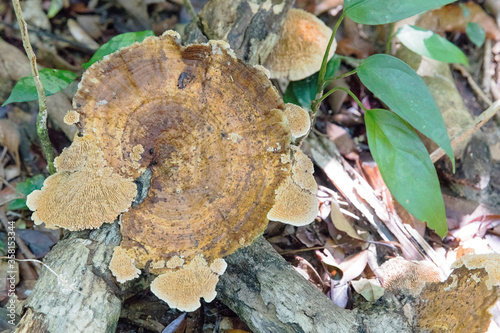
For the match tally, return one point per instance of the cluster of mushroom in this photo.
(216, 138)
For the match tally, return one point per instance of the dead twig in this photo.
(41, 120)
(468, 131)
(475, 87)
(487, 67)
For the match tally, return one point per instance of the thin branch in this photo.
(475, 87)
(190, 9)
(41, 119)
(468, 131)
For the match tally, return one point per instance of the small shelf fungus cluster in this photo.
(214, 136)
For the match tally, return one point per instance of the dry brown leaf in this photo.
(354, 266)
(451, 19)
(10, 139)
(340, 222)
(326, 5)
(370, 289)
(81, 35)
(304, 268)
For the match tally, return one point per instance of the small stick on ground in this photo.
(487, 67)
(41, 119)
(190, 9)
(475, 87)
(468, 131)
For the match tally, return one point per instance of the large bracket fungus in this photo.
(212, 132)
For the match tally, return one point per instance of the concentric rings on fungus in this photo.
(212, 131)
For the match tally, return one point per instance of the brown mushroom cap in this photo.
(84, 193)
(301, 46)
(296, 201)
(298, 120)
(210, 128)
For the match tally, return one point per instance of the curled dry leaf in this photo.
(340, 222)
(451, 18)
(370, 289)
(10, 139)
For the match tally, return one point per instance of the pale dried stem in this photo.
(487, 67)
(190, 9)
(477, 90)
(41, 120)
(468, 131)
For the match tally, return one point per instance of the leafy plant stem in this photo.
(340, 76)
(353, 62)
(190, 9)
(322, 71)
(356, 99)
(41, 119)
(389, 40)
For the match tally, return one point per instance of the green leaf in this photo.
(397, 85)
(465, 10)
(431, 45)
(304, 91)
(55, 7)
(25, 188)
(476, 33)
(53, 80)
(385, 11)
(406, 167)
(117, 43)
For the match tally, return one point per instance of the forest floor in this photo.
(341, 250)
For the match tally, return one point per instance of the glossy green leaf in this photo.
(397, 85)
(406, 167)
(53, 80)
(387, 11)
(25, 188)
(117, 43)
(304, 91)
(55, 7)
(431, 45)
(476, 33)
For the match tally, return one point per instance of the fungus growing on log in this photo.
(302, 43)
(296, 202)
(84, 193)
(461, 303)
(411, 276)
(212, 132)
(298, 119)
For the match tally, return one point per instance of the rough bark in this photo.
(90, 301)
(251, 27)
(270, 296)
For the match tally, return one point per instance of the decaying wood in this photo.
(270, 296)
(84, 296)
(251, 27)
